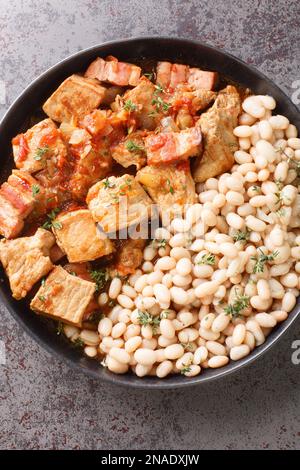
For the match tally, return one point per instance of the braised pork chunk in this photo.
(170, 186)
(114, 72)
(26, 260)
(19, 196)
(217, 126)
(131, 150)
(36, 146)
(74, 98)
(118, 203)
(77, 235)
(144, 103)
(63, 297)
(185, 98)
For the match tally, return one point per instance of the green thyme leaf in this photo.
(165, 314)
(78, 343)
(241, 236)
(146, 318)
(237, 306)
(130, 106)
(158, 89)
(50, 218)
(60, 328)
(100, 277)
(160, 104)
(262, 259)
(57, 225)
(185, 369)
(108, 184)
(171, 189)
(35, 189)
(209, 259)
(41, 152)
(133, 147)
(149, 75)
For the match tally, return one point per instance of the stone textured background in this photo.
(44, 404)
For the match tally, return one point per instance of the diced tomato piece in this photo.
(23, 147)
(50, 138)
(156, 141)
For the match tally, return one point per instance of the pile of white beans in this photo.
(187, 298)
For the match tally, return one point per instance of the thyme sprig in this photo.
(262, 259)
(240, 303)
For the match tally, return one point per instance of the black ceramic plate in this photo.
(174, 50)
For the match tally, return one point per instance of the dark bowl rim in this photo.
(124, 380)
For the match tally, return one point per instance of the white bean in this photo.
(256, 330)
(218, 361)
(115, 288)
(206, 288)
(253, 106)
(238, 335)
(105, 326)
(265, 320)
(238, 352)
(166, 263)
(146, 357)
(184, 266)
(174, 351)
(288, 302)
(167, 328)
(164, 369)
(91, 338)
(115, 366)
(133, 343)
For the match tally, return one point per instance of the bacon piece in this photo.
(114, 72)
(169, 147)
(202, 79)
(17, 200)
(169, 76)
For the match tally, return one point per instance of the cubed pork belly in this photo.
(145, 103)
(191, 100)
(19, 196)
(118, 203)
(129, 257)
(63, 297)
(131, 151)
(77, 235)
(26, 260)
(36, 146)
(217, 126)
(83, 271)
(168, 147)
(170, 186)
(114, 72)
(74, 98)
(169, 76)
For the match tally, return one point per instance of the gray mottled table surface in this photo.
(44, 404)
